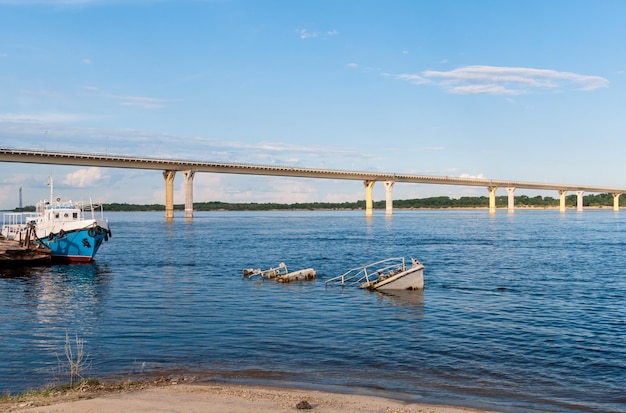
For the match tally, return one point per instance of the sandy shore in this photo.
(217, 398)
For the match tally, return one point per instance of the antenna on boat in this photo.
(51, 185)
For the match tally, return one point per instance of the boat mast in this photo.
(51, 185)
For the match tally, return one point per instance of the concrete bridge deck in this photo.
(189, 168)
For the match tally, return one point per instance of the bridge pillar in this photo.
(616, 202)
(562, 194)
(579, 200)
(511, 205)
(492, 199)
(369, 207)
(169, 193)
(188, 175)
(389, 199)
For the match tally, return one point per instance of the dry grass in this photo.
(85, 389)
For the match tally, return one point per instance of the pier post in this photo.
(562, 194)
(579, 200)
(188, 175)
(616, 202)
(169, 194)
(492, 199)
(368, 197)
(511, 205)
(389, 197)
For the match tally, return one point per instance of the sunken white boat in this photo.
(388, 274)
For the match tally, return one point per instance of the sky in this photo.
(527, 90)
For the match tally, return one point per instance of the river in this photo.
(521, 312)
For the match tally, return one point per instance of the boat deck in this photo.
(12, 253)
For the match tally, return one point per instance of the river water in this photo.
(521, 312)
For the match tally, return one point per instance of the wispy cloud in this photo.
(41, 93)
(45, 117)
(56, 132)
(47, 2)
(415, 79)
(364, 69)
(271, 152)
(497, 80)
(68, 2)
(142, 101)
(306, 34)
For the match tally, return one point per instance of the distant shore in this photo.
(432, 203)
(478, 208)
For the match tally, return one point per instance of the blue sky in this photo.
(525, 90)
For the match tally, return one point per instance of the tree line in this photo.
(521, 201)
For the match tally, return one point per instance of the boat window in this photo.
(66, 215)
(75, 215)
(56, 215)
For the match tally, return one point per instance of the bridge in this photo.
(189, 168)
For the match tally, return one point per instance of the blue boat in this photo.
(74, 231)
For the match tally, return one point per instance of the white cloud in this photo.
(469, 176)
(83, 178)
(305, 34)
(504, 80)
(87, 61)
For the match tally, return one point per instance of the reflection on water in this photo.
(23, 272)
(411, 300)
(41, 306)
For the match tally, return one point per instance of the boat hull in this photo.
(387, 274)
(410, 279)
(71, 230)
(76, 246)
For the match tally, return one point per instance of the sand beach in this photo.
(171, 396)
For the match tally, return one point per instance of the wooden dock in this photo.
(13, 253)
